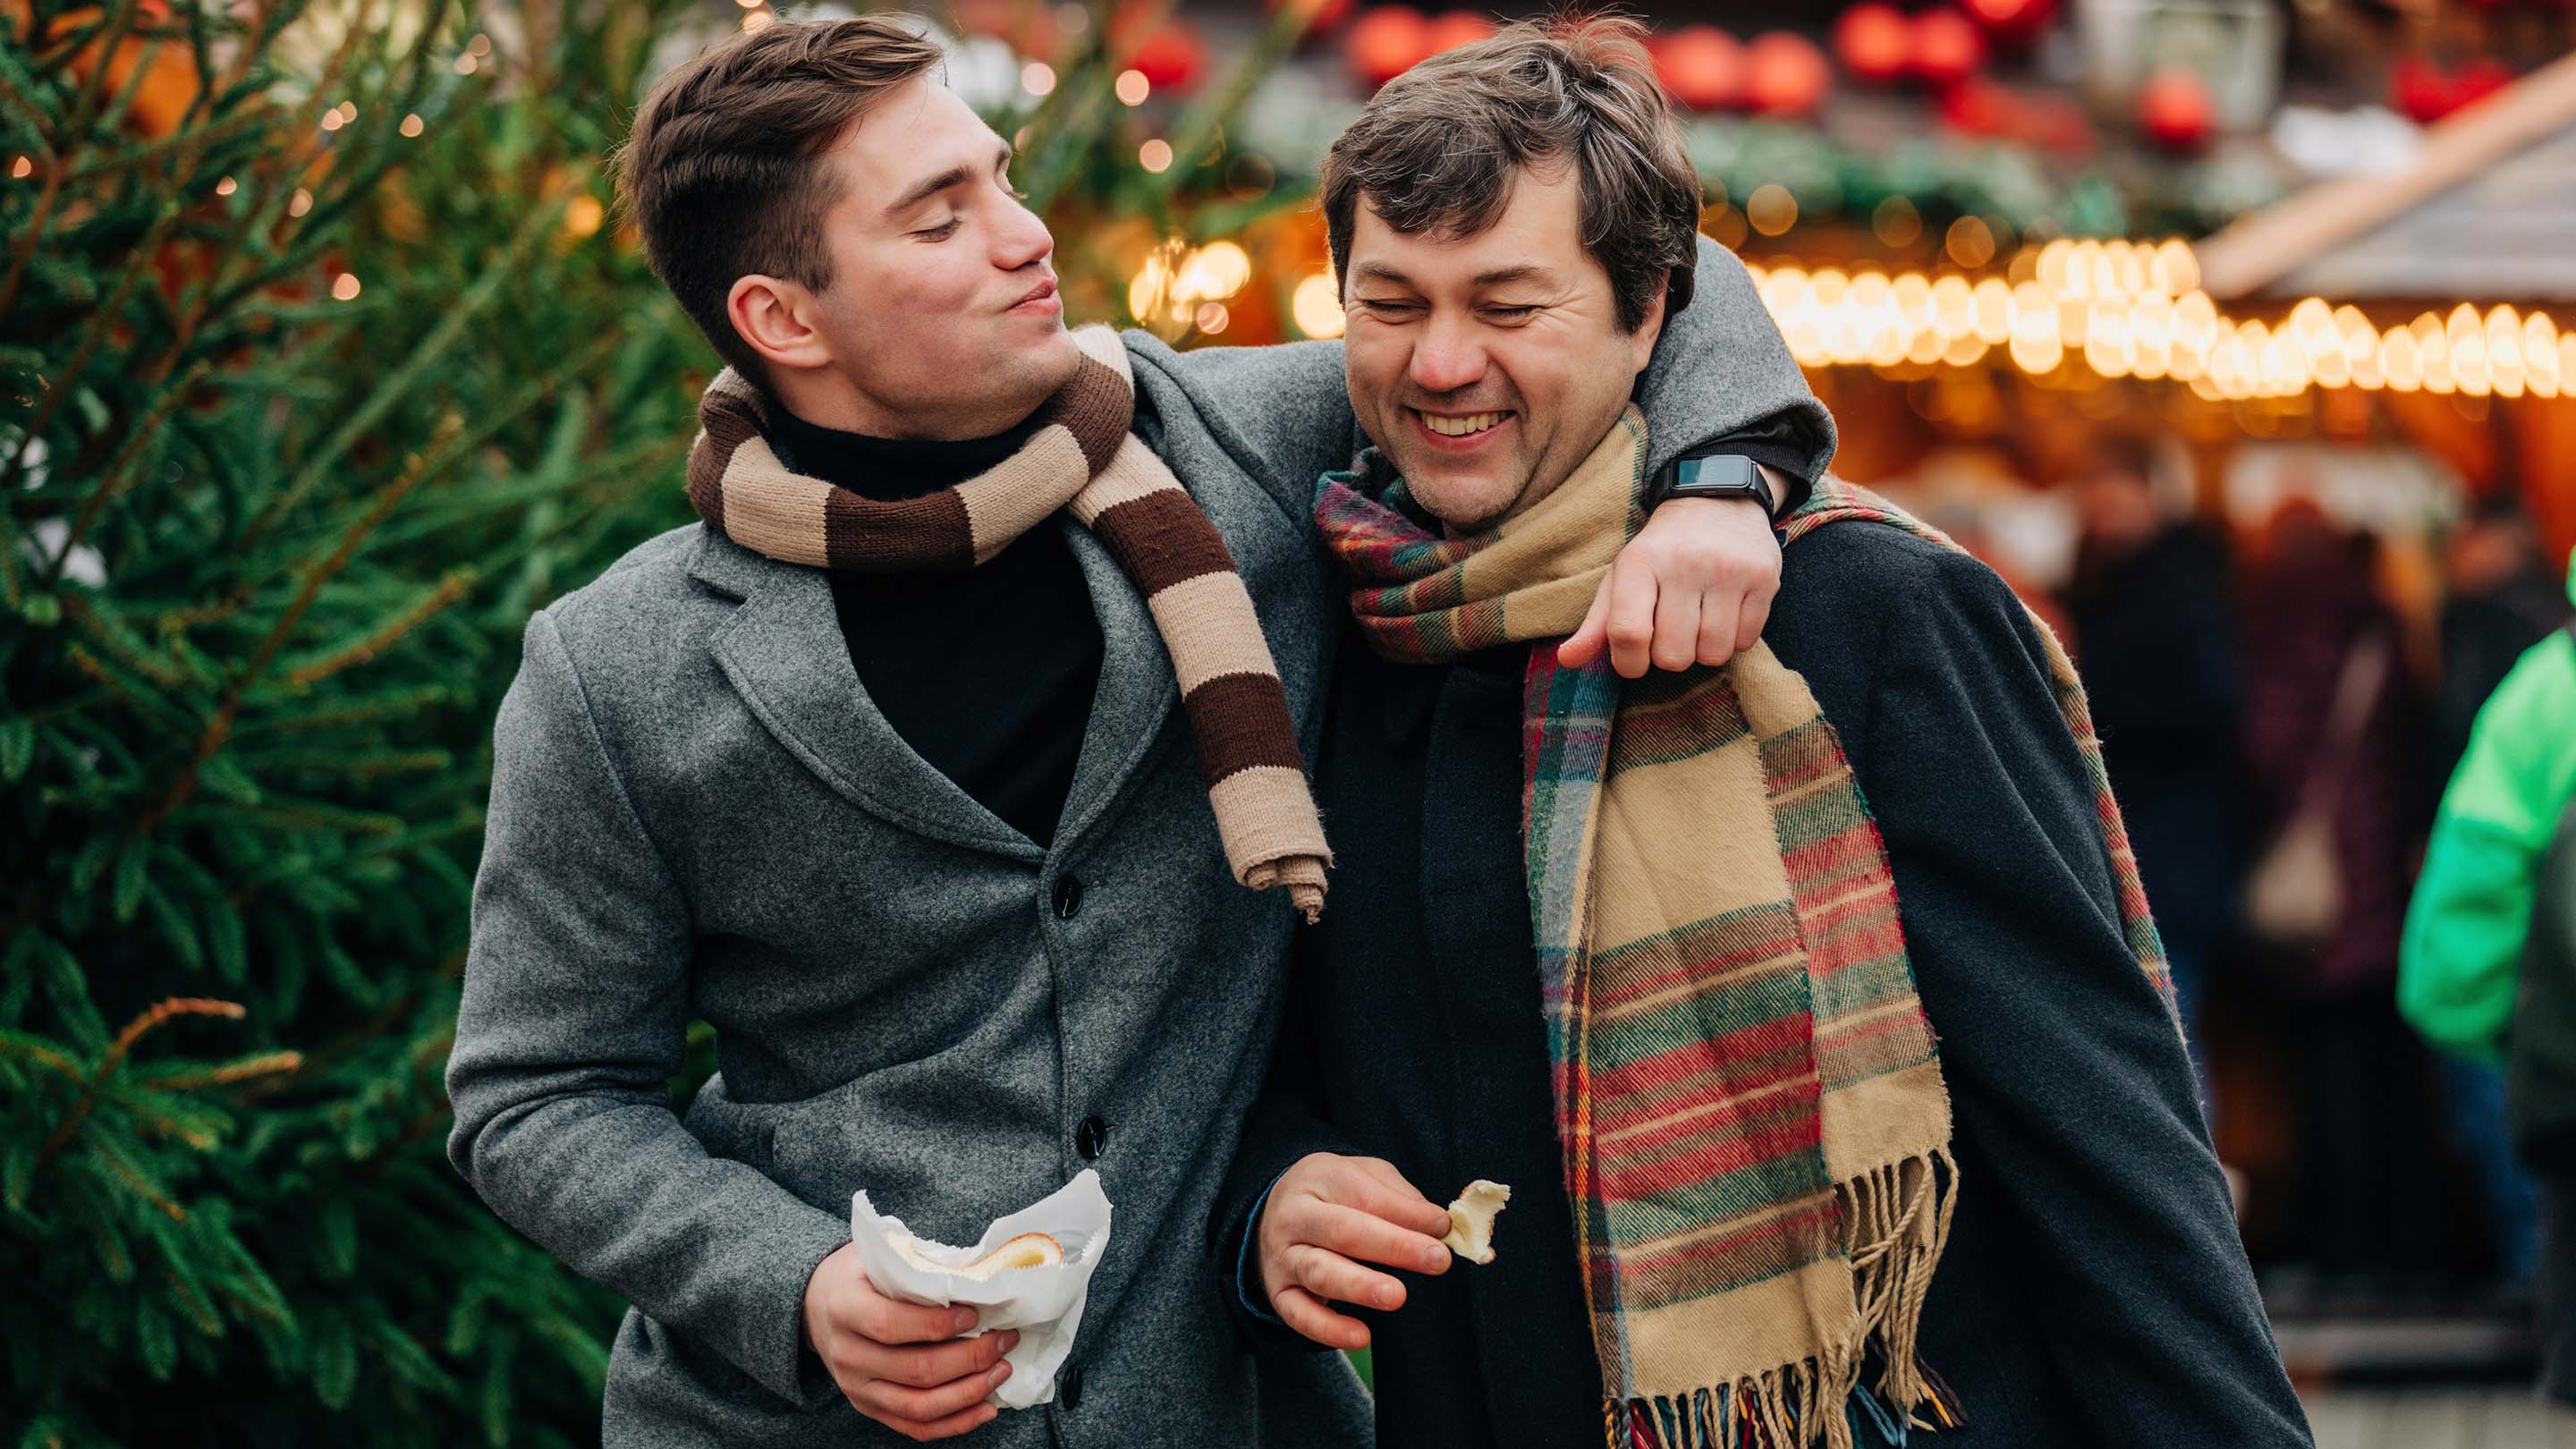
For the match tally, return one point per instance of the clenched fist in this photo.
(1324, 1218)
(901, 1364)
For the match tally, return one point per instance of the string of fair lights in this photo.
(2122, 309)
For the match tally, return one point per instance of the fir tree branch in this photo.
(24, 251)
(103, 44)
(1198, 127)
(42, 1056)
(185, 141)
(100, 325)
(113, 479)
(451, 588)
(220, 727)
(445, 335)
(229, 1073)
(278, 166)
(114, 1057)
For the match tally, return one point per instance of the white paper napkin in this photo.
(1044, 1304)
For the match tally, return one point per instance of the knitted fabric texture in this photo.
(1081, 457)
(1749, 1098)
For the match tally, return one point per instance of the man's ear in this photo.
(775, 318)
(1642, 341)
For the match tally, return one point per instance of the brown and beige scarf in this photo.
(1080, 457)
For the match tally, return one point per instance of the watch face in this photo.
(1724, 470)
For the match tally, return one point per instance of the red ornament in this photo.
(1785, 75)
(1171, 58)
(1702, 67)
(1981, 108)
(2418, 90)
(1873, 41)
(2175, 110)
(2478, 79)
(2012, 20)
(1314, 16)
(1457, 28)
(1947, 47)
(1386, 42)
(1030, 31)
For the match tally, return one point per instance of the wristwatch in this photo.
(1716, 475)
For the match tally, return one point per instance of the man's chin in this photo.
(1462, 507)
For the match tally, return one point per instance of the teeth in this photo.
(1460, 427)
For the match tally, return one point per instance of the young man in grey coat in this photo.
(933, 854)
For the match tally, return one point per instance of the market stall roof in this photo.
(2485, 212)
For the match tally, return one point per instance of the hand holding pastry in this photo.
(1325, 1217)
(902, 1364)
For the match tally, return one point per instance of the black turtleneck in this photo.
(987, 674)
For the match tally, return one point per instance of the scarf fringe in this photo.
(1745, 1418)
(1896, 1221)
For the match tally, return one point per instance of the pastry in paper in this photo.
(1471, 1220)
(1028, 1250)
(1031, 1271)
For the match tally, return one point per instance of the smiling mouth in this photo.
(1460, 425)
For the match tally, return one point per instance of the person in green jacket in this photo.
(2458, 960)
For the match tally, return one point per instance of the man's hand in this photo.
(1693, 587)
(1325, 1213)
(901, 1364)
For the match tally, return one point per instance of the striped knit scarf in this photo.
(1081, 457)
(1755, 1129)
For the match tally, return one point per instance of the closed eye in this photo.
(941, 232)
(1389, 309)
(1511, 314)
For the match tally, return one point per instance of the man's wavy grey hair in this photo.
(1438, 148)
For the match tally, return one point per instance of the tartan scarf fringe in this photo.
(1083, 460)
(1896, 1222)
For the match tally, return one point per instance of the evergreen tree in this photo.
(319, 371)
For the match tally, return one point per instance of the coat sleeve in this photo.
(574, 1019)
(2074, 1104)
(2458, 962)
(1283, 413)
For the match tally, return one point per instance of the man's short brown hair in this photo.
(721, 173)
(1437, 148)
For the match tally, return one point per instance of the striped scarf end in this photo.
(1302, 875)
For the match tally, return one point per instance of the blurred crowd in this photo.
(2282, 725)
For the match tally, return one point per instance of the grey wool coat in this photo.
(697, 813)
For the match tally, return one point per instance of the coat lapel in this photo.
(783, 653)
(1137, 689)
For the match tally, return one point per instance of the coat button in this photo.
(1091, 1138)
(1068, 896)
(1068, 1387)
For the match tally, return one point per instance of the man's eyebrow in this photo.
(1499, 276)
(921, 191)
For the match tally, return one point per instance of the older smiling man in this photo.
(1669, 958)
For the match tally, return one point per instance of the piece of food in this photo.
(1471, 1220)
(1028, 1250)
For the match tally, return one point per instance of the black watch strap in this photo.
(1717, 475)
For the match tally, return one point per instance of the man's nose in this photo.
(1020, 239)
(1446, 358)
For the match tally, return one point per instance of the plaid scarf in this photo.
(1083, 458)
(1755, 1129)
